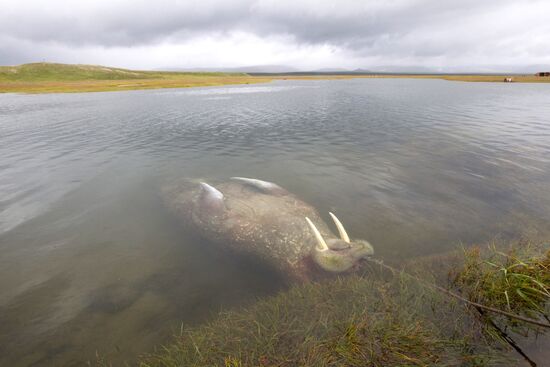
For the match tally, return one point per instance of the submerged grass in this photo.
(353, 321)
(377, 319)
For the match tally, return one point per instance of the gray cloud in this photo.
(390, 32)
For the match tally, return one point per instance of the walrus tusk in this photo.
(211, 200)
(264, 186)
(341, 230)
(320, 241)
(211, 191)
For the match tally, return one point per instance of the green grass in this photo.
(63, 78)
(64, 72)
(377, 318)
(352, 321)
(516, 280)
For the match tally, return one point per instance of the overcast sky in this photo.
(448, 35)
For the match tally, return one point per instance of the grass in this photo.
(352, 321)
(497, 78)
(492, 78)
(515, 280)
(377, 318)
(57, 78)
(44, 71)
(64, 78)
(317, 325)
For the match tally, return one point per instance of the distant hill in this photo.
(330, 70)
(241, 69)
(531, 69)
(44, 71)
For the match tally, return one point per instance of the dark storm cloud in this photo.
(375, 28)
(127, 23)
(122, 23)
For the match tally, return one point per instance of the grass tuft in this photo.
(515, 280)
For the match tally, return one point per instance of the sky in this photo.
(440, 35)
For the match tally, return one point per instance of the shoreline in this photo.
(379, 318)
(190, 81)
(86, 86)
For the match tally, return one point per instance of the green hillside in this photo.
(65, 72)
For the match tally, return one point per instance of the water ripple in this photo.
(414, 166)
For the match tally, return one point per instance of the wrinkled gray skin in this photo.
(262, 219)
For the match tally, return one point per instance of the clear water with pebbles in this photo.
(91, 261)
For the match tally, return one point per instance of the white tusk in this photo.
(264, 186)
(211, 191)
(341, 230)
(320, 241)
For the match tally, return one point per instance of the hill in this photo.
(273, 69)
(51, 77)
(66, 72)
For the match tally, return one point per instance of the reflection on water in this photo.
(90, 259)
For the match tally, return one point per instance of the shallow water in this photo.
(91, 261)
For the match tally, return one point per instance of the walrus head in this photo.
(338, 255)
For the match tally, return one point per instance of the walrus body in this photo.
(262, 219)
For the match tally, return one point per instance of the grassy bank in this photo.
(492, 78)
(345, 322)
(379, 318)
(63, 78)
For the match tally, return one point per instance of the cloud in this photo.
(303, 33)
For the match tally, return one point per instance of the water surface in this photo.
(90, 260)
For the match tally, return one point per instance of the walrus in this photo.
(263, 220)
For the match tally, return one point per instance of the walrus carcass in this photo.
(264, 220)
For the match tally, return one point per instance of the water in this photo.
(90, 260)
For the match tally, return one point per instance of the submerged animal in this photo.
(264, 220)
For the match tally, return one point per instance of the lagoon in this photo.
(90, 259)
